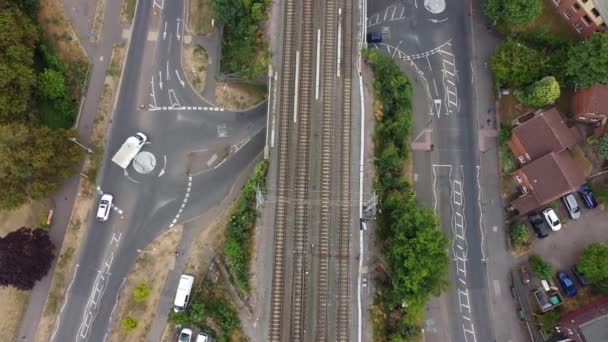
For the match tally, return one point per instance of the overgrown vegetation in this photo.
(210, 309)
(594, 264)
(240, 228)
(540, 94)
(244, 50)
(540, 267)
(519, 233)
(128, 324)
(414, 246)
(507, 160)
(512, 12)
(141, 293)
(602, 146)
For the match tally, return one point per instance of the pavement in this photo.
(181, 126)
(444, 46)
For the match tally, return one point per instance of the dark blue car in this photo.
(587, 196)
(567, 284)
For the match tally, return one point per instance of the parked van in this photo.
(182, 297)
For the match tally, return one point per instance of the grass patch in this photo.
(128, 11)
(549, 20)
(200, 16)
(239, 232)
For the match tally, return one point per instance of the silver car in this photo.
(574, 211)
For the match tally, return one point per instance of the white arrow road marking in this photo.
(178, 35)
(165, 31)
(152, 93)
(167, 73)
(437, 106)
(173, 99)
(180, 79)
(160, 79)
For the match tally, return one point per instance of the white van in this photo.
(182, 297)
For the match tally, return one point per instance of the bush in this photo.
(516, 64)
(519, 233)
(507, 160)
(129, 324)
(602, 146)
(542, 93)
(540, 267)
(506, 131)
(594, 264)
(141, 292)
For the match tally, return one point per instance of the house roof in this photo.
(547, 179)
(591, 100)
(544, 133)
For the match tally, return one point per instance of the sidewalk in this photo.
(507, 326)
(99, 53)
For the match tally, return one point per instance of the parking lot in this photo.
(563, 248)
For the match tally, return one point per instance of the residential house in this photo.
(584, 16)
(590, 105)
(547, 170)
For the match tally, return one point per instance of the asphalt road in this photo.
(199, 149)
(433, 42)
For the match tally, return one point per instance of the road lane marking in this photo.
(295, 102)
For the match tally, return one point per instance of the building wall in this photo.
(581, 15)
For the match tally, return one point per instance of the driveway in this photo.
(563, 248)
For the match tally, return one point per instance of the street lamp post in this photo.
(88, 149)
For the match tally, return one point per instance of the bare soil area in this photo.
(151, 268)
(238, 95)
(82, 206)
(195, 66)
(27, 215)
(12, 307)
(200, 16)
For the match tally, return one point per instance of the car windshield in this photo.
(104, 203)
(183, 337)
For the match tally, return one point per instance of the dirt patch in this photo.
(82, 206)
(200, 16)
(581, 160)
(27, 215)
(151, 268)
(510, 109)
(12, 307)
(128, 11)
(237, 95)
(59, 31)
(97, 22)
(195, 66)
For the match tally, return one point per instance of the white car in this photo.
(185, 335)
(572, 206)
(202, 337)
(105, 204)
(552, 219)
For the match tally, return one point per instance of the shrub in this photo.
(141, 292)
(507, 160)
(540, 267)
(602, 146)
(540, 94)
(594, 264)
(129, 324)
(519, 233)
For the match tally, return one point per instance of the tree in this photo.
(519, 234)
(540, 94)
(594, 264)
(602, 146)
(25, 257)
(540, 267)
(587, 61)
(18, 38)
(516, 64)
(141, 292)
(51, 84)
(512, 12)
(34, 161)
(129, 324)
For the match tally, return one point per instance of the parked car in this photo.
(587, 196)
(552, 219)
(525, 275)
(580, 277)
(539, 225)
(185, 335)
(105, 204)
(567, 284)
(374, 37)
(572, 206)
(202, 337)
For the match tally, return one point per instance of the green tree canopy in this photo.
(540, 267)
(594, 264)
(512, 12)
(518, 65)
(18, 38)
(540, 94)
(588, 61)
(519, 233)
(34, 161)
(51, 84)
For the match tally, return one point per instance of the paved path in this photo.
(80, 13)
